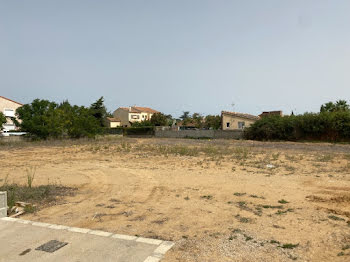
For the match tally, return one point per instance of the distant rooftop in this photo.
(139, 109)
(242, 115)
(113, 119)
(270, 113)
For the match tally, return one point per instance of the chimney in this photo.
(129, 108)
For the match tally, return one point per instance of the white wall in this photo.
(8, 108)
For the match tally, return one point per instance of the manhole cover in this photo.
(51, 246)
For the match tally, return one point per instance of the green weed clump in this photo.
(333, 217)
(289, 246)
(39, 195)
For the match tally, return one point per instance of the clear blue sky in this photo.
(176, 55)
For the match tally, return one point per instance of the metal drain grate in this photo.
(51, 246)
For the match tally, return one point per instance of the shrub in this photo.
(114, 131)
(2, 120)
(143, 123)
(138, 131)
(326, 126)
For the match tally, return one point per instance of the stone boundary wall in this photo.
(213, 134)
(228, 134)
(3, 204)
(9, 139)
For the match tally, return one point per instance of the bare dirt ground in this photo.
(219, 200)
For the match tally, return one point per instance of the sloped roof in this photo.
(132, 110)
(11, 100)
(241, 115)
(145, 109)
(139, 109)
(113, 119)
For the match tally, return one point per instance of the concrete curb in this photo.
(3, 204)
(161, 246)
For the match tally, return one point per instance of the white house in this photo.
(8, 108)
(129, 115)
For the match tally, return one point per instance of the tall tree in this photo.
(99, 111)
(340, 105)
(159, 119)
(197, 118)
(186, 117)
(170, 120)
(213, 121)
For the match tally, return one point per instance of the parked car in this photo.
(4, 133)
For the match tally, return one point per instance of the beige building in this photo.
(113, 122)
(234, 120)
(129, 115)
(8, 108)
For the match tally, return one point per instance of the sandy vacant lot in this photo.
(218, 200)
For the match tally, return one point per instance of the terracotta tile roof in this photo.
(11, 100)
(132, 110)
(139, 109)
(113, 119)
(269, 113)
(145, 109)
(242, 115)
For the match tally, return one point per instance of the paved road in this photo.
(19, 240)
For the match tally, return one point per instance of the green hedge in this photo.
(136, 131)
(130, 131)
(114, 131)
(325, 126)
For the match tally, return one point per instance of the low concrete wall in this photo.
(214, 134)
(10, 139)
(228, 134)
(3, 204)
(185, 133)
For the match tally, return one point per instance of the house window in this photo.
(241, 125)
(9, 112)
(135, 117)
(228, 124)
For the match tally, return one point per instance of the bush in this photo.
(157, 119)
(2, 120)
(144, 123)
(134, 131)
(114, 131)
(325, 126)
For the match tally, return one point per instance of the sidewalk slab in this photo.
(19, 240)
